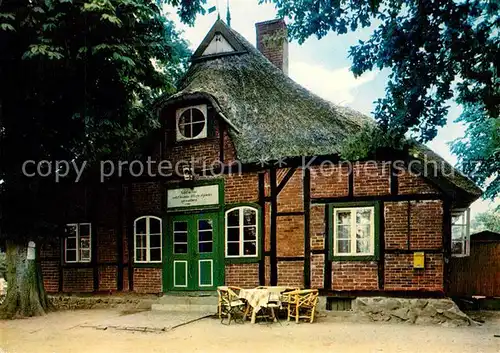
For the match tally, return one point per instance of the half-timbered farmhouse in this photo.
(261, 196)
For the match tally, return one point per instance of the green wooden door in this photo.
(195, 252)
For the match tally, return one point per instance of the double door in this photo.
(195, 255)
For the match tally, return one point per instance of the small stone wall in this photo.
(66, 302)
(415, 311)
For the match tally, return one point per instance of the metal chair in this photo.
(230, 304)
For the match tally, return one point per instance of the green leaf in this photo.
(7, 27)
(113, 19)
(7, 16)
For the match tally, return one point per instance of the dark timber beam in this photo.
(262, 203)
(307, 224)
(119, 241)
(285, 180)
(386, 198)
(327, 280)
(381, 260)
(274, 212)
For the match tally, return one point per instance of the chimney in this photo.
(272, 42)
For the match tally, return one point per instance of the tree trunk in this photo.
(26, 295)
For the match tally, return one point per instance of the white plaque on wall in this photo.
(197, 196)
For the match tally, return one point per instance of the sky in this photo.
(322, 66)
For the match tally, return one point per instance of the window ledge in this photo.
(242, 260)
(355, 258)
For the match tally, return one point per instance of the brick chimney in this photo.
(272, 41)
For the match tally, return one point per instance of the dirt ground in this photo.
(69, 331)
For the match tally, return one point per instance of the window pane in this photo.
(140, 255)
(155, 241)
(205, 236)
(233, 218)
(233, 249)
(71, 230)
(197, 128)
(85, 242)
(71, 243)
(205, 224)
(155, 255)
(363, 216)
(344, 217)
(197, 116)
(205, 247)
(457, 247)
(249, 216)
(180, 248)
(362, 231)
(250, 248)
(457, 232)
(140, 226)
(363, 246)
(180, 237)
(154, 225)
(250, 233)
(233, 234)
(343, 232)
(71, 255)
(343, 246)
(180, 226)
(84, 255)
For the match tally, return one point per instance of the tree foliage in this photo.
(78, 78)
(479, 150)
(437, 50)
(489, 220)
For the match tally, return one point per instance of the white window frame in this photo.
(464, 214)
(148, 240)
(202, 134)
(352, 239)
(241, 229)
(78, 258)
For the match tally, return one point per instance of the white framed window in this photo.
(147, 239)
(191, 123)
(354, 231)
(78, 243)
(242, 232)
(460, 232)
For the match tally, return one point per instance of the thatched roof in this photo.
(271, 116)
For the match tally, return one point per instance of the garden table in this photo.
(259, 298)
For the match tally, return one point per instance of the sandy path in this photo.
(61, 333)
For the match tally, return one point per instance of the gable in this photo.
(218, 42)
(218, 45)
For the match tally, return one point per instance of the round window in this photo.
(191, 123)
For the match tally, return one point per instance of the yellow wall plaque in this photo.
(419, 259)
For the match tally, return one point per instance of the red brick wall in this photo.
(400, 274)
(409, 183)
(329, 181)
(290, 236)
(317, 227)
(107, 278)
(426, 224)
(148, 280)
(241, 188)
(396, 225)
(371, 179)
(277, 53)
(78, 280)
(50, 273)
(317, 270)
(242, 275)
(354, 275)
(291, 273)
(291, 197)
(145, 198)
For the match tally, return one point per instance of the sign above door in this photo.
(199, 196)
